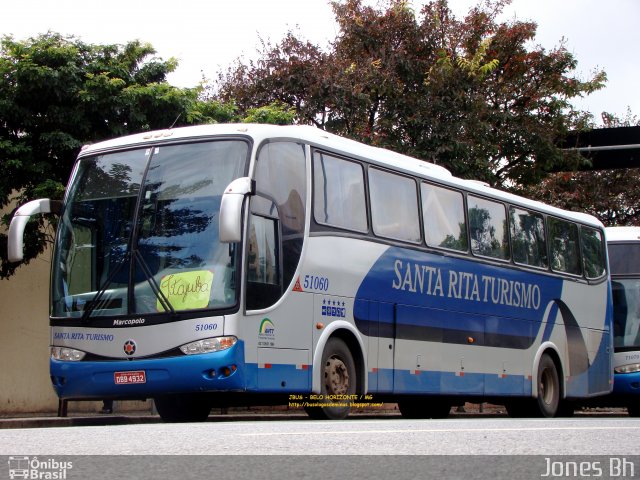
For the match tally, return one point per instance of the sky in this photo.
(206, 36)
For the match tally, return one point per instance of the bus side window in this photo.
(565, 255)
(444, 223)
(488, 228)
(528, 238)
(263, 273)
(281, 177)
(394, 206)
(339, 194)
(592, 252)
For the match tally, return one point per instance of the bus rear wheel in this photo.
(548, 403)
(338, 382)
(548, 399)
(183, 408)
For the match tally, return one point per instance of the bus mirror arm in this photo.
(230, 227)
(15, 244)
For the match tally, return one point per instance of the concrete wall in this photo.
(24, 332)
(25, 386)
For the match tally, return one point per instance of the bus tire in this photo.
(183, 408)
(425, 407)
(338, 379)
(548, 401)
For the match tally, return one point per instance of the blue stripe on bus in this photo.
(411, 382)
(441, 298)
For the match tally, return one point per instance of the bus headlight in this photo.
(67, 354)
(208, 345)
(633, 368)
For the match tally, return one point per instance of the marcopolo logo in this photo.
(35, 468)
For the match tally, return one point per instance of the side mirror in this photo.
(15, 244)
(230, 227)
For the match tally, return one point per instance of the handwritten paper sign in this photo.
(186, 290)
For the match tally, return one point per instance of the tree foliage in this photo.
(58, 93)
(472, 94)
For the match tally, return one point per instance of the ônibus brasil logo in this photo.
(27, 467)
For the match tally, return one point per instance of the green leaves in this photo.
(58, 93)
(472, 94)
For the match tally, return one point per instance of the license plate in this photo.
(127, 378)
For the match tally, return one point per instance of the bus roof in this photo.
(621, 234)
(332, 142)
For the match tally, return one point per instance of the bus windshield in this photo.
(139, 232)
(625, 287)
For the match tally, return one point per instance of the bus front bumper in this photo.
(627, 384)
(208, 372)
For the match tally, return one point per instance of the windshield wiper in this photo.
(164, 301)
(96, 301)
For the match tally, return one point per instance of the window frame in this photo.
(464, 216)
(412, 179)
(509, 259)
(363, 169)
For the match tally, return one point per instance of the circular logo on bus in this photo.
(129, 347)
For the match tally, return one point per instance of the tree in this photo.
(58, 93)
(471, 94)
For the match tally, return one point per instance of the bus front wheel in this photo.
(183, 408)
(338, 382)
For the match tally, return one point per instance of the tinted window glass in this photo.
(339, 198)
(592, 252)
(444, 223)
(281, 179)
(563, 238)
(626, 312)
(394, 206)
(527, 238)
(624, 258)
(487, 228)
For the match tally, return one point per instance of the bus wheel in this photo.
(425, 407)
(339, 379)
(548, 399)
(183, 408)
(633, 409)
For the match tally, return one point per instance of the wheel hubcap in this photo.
(546, 387)
(336, 377)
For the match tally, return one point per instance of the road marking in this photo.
(438, 430)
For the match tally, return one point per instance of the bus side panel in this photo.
(376, 323)
(586, 314)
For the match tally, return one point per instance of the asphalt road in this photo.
(459, 448)
(392, 436)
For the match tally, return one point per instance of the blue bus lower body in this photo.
(217, 371)
(626, 384)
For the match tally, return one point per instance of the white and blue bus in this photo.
(222, 265)
(623, 244)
